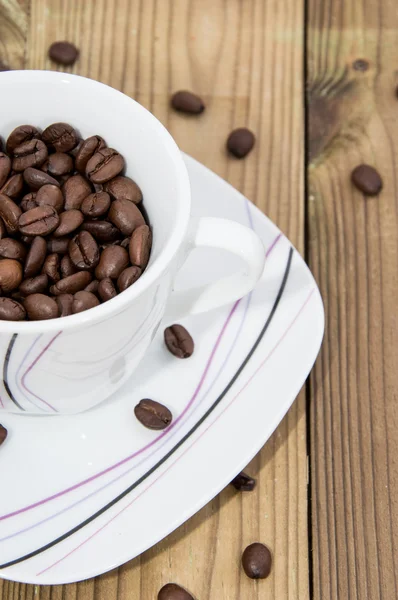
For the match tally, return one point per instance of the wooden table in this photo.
(327, 494)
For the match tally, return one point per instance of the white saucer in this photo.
(81, 495)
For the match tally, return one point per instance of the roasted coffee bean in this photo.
(29, 154)
(58, 245)
(13, 187)
(10, 248)
(125, 215)
(36, 178)
(50, 195)
(39, 221)
(128, 277)
(34, 285)
(96, 205)
(187, 102)
(140, 246)
(92, 287)
(178, 341)
(153, 414)
(65, 302)
(104, 232)
(11, 310)
(3, 230)
(5, 168)
(84, 251)
(72, 284)
(10, 213)
(68, 222)
(64, 53)
(87, 149)
(3, 430)
(123, 188)
(51, 267)
(113, 261)
(67, 266)
(104, 165)
(367, 180)
(240, 142)
(243, 482)
(83, 301)
(172, 591)
(28, 202)
(10, 275)
(60, 136)
(58, 164)
(257, 561)
(36, 257)
(41, 307)
(106, 289)
(20, 135)
(75, 190)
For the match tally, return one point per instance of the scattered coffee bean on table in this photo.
(367, 180)
(178, 341)
(257, 561)
(3, 434)
(243, 482)
(240, 142)
(71, 232)
(153, 415)
(172, 591)
(187, 102)
(64, 53)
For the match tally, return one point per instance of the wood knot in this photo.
(360, 64)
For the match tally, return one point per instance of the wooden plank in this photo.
(13, 32)
(245, 59)
(353, 251)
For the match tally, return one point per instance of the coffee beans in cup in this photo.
(72, 234)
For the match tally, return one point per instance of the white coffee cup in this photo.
(69, 365)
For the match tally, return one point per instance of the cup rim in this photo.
(182, 215)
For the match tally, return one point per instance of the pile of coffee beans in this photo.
(72, 234)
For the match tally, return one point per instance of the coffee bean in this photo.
(34, 285)
(68, 222)
(64, 53)
(9, 213)
(11, 310)
(126, 216)
(51, 267)
(67, 266)
(96, 205)
(87, 149)
(106, 289)
(20, 135)
(50, 195)
(39, 221)
(36, 256)
(72, 284)
(113, 261)
(172, 591)
(140, 246)
(153, 414)
(257, 561)
(64, 302)
(367, 180)
(92, 287)
(58, 245)
(84, 251)
(36, 178)
(13, 187)
(14, 249)
(104, 165)
(5, 168)
(59, 164)
(103, 231)
(29, 154)
(60, 136)
(3, 230)
(179, 341)
(128, 277)
(75, 190)
(3, 430)
(28, 202)
(10, 275)
(83, 301)
(240, 142)
(187, 102)
(123, 188)
(243, 482)
(40, 307)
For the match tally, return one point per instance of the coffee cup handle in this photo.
(226, 235)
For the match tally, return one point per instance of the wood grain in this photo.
(245, 59)
(353, 251)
